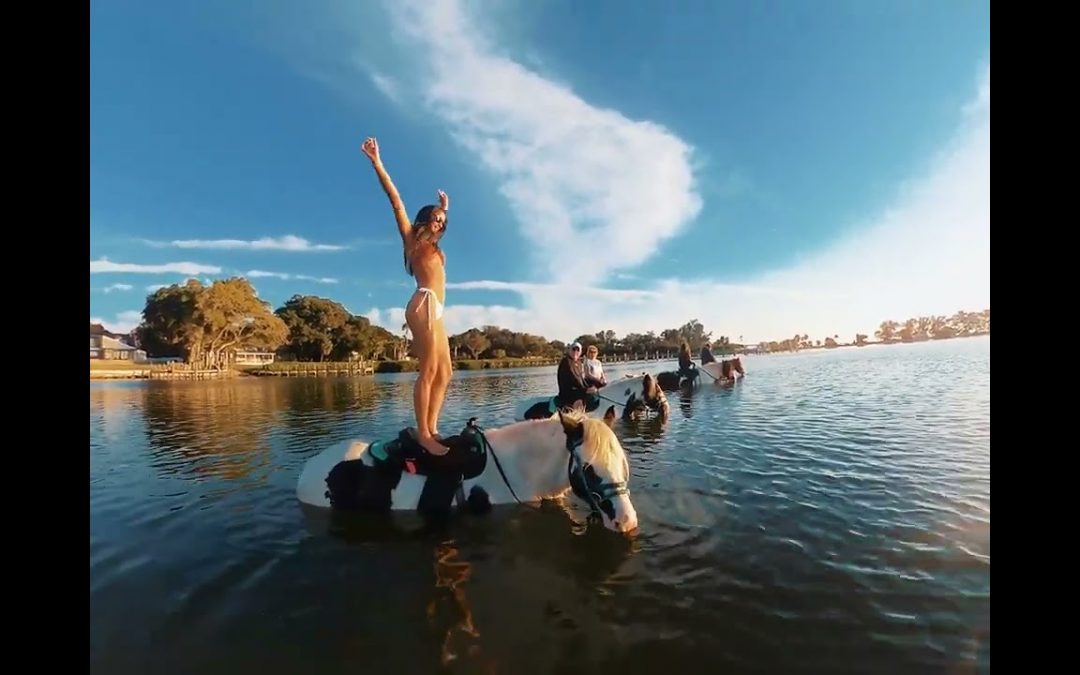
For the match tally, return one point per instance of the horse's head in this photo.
(650, 390)
(598, 469)
(736, 365)
(634, 409)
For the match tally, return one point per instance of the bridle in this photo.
(583, 479)
(587, 485)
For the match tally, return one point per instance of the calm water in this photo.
(830, 513)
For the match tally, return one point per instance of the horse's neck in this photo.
(532, 454)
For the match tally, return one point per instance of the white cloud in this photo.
(388, 86)
(927, 253)
(116, 287)
(263, 274)
(286, 243)
(981, 104)
(579, 170)
(594, 179)
(621, 295)
(189, 268)
(153, 287)
(124, 322)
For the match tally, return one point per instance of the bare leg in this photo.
(421, 396)
(441, 356)
(421, 329)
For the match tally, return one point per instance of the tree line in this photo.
(207, 324)
(918, 329)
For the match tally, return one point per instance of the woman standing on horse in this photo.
(425, 261)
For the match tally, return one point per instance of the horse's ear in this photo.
(569, 423)
(609, 416)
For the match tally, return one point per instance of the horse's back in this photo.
(621, 389)
(617, 390)
(716, 369)
(311, 486)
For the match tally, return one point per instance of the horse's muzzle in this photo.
(625, 520)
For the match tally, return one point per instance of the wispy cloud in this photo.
(124, 322)
(661, 289)
(286, 243)
(153, 287)
(116, 287)
(189, 268)
(464, 317)
(388, 86)
(527, 289)
(579, 169)
(263, 274)
(927, 252)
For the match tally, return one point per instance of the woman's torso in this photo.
(593, 368)
(429, 267)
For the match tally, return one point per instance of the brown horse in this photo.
(652, 401)
(729, 368)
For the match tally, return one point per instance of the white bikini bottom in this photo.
(435, 308)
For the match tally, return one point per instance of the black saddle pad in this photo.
(354, 486)
(466, 458)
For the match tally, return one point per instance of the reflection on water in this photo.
(828, 513)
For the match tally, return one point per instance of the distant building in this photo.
(252, 358)
(111, 349)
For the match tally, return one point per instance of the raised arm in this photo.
(371, 149)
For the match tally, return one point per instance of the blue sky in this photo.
(767, 168)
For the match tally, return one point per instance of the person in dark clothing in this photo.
(687, 368)
(707, 355)
(571, 378)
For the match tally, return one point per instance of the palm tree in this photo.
(406, 336)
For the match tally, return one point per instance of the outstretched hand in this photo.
(370, 148)
(444, 201)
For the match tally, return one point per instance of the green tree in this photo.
(169, 325)
(207, 324)
(887, 331)
(233, 318)
(315, 324)
(475, 342)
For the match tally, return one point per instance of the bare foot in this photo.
(432, 446)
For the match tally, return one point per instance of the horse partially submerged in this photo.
(628, 392)
(618, 391)
(720, 372)
(531, 460)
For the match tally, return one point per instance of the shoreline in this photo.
(121, 370)
(118, 370)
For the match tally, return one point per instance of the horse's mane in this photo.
(597, 439)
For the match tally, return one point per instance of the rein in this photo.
(595, 494)
(579, 483)
(487, 448)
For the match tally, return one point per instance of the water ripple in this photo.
(829, 513)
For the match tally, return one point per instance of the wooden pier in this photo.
(314, 369)
(158, 374)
